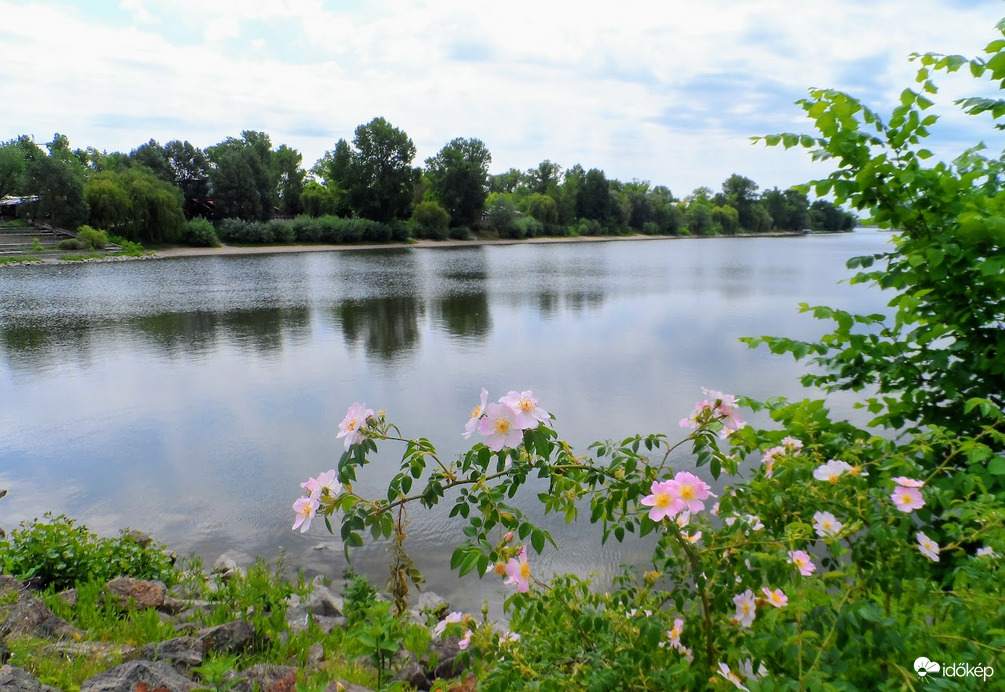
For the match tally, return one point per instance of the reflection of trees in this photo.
(387, 327)
(33, 348)
(464, 315)
(262, 329)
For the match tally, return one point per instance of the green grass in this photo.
(81, 258)
(18, 260)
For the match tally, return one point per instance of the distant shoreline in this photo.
(230, 250)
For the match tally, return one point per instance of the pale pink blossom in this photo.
(661, 500)
(689, 493)
(500, 428)
(801, 559)
(746, 608)
(832, 470)
(526, 409)
(908, 482)
(518, 572)
(826, 524)
(907, 499)
(722, 406)
(451, 619)
(725, 672)
(792, 445)
(987, 551)
(673, 635)
(775, 597)
(928, 547)
(305, 508)
(694, 537)
(465, 641)
(768, 459)
(476, 414)
(326, 484)
(351, 425)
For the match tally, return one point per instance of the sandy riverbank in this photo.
(268, 249)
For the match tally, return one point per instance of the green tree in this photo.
(155, 157)
(190, 170)
(289, 179)
(510, 182)
(943, 347)
(789, 209)
(541, 207)
(60, 187)
(593, 200)
(431, 220)
(458, 179)
(244, 180)
(545, 178)
(827, 216)
(739, 192)
(376, 172)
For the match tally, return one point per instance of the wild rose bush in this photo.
(832, 557)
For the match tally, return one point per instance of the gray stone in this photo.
(17, 680)
(412, 674)
(429, 602)
(184, 653)
(322, 601)
(30, 616)
(227, 567)
(233, 637)
(126, 678)
(109, 652)
(127, 592)
(442, 662)
(69, 597)
(315, 654)
(266, 677)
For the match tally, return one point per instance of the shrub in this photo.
(72, 244)
(430, 220)
(200, 233)
(60, 553)
(528, 227)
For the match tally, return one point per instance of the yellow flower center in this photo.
(351, 425)
(525, 571)
(526, 405)
(476, 411)
(687, 492)
(502, 426)
(662, 500)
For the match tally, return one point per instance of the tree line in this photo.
(155, 192)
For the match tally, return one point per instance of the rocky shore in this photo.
(171, 664)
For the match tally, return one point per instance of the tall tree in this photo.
(289, 179)
(375, 173)
(458, 178)
(243, 178)
(740, 193)
(190, 168)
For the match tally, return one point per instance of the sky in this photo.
(668, 92)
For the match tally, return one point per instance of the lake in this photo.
(190, 397)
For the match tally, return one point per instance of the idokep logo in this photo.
(926, 668)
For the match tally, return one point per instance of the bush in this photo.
(200, 233)
(528, 227)
(60, 553)
(129, 248)
(430, 220)
(92, 238)
(72, 244)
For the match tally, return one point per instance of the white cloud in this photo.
(667, 91)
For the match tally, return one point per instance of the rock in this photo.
(265, 677)
(183, 653)
(9, 583)
(322, 601)
(227, 567)
(411, 673)
(442, 662)
(4, 653)
(69, 597)
(430, 603)
(138, 537)
(127, 592)
(152, 675)
(109, 652)
(315, 654)
(57, 628)
(233, 637)
(30, 616)
(172, 605)
(17, 680)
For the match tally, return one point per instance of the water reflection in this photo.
(387, 328)
(220, 381)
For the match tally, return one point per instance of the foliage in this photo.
(375, 174)
(942, 345)
(92, 238)
(137, 204)
(71, 244)
(200, 233)
(129, 248)
(458, 177)
(61, 553)
(430, 220)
